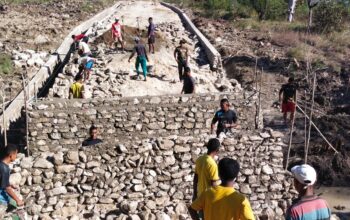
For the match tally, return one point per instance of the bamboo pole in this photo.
(4, 119)
(311, 113)
(317, 129)
(25, 110)
(290, 140)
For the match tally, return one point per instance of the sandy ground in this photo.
(338, 199)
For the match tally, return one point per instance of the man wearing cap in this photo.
(223, 202)
(181, 56)
(117, 34)
(141, 58)
(307, 206)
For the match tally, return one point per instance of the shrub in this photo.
(267, 9)
(329, 16)
(297, 53)
(6, 65)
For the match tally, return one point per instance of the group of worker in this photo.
(215, 198)
(86, 61)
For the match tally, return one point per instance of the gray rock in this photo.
(27, 163)
(42, 163)
(267, 170)
(72, 157)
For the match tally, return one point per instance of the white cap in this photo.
(305, 174)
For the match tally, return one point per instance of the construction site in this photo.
(152, 133)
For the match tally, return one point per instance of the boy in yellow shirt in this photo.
(223, 202)
(206, 171)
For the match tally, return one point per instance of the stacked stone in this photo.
(147, 179)
(66, 122)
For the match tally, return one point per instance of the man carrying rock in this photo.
(223, 202)
(188, 82)
(307, 205)
(151, 35)
(76, 90)
(181, 56)
(206, 170)
(141, 58)
(78, 38)
(117, 34)
(8, 198)
(289, 92)
(225, 117)
(92, 140)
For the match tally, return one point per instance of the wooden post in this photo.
(311, 112)
(4, 119)
(25, 110)
(290, 141)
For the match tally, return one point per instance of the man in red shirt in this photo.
(117, 34)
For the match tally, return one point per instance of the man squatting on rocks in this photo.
(223, 202)
(289, 99)
(141, 58)
(181, 56)
(188, 82)
(151, 35)
(8, 198)
(92, 140)
(307, 206)
(117, 35)
(225, 117)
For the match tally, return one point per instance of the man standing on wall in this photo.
(225, 117)
(181, 56)
(8, 198)
(223, 202)
(307, 205)
(289, 92)
(151, 35)
(141, 58)
(92, 140)
(117, 34)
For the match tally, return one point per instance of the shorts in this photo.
(117, 37)
(288, 107)
(89, 65)
(151, 39)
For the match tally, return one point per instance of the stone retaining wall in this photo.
(147, 178)
(65, 123)
(213, 55)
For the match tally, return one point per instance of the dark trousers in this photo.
(181, 67)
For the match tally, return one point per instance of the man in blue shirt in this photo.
(225, 117)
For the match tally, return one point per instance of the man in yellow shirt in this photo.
(223, 202)
(206, 171)
(76, 90)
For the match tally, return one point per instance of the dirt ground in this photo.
(240, 47)
(39, 27)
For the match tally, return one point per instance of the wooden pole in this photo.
(318, 130)
(311, 112)
(4, 119)
(305, 123)
(290, 141)
(25, 110)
